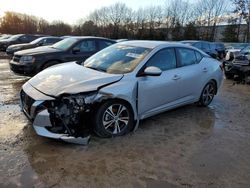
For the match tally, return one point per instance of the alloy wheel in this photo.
(208, 94)
(115, 118)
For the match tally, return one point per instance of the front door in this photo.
(156, 92)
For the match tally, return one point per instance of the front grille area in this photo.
(26, 101)
(16, 58)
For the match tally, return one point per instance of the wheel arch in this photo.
(216, 85)
(51, 60)
(116, 99)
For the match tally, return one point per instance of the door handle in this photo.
(205, 69)
(176, 77)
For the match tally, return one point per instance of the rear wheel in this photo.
(207, 94)
(113, 118)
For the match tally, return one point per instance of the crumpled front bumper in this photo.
(42, 121)
(40, 117)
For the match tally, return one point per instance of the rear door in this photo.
(191, 74)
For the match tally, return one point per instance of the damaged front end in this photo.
(66, 117)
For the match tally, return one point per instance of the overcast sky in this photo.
(65, 10)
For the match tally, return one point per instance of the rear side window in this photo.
(164, 59)
(186, 56)
(103, 44)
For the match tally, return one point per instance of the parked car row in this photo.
(17, 39)
(30, 62)
(85, 84)
(214, 49)
(42, 41)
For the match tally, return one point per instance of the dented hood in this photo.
(71, 78)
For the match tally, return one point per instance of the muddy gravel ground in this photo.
(187, 147)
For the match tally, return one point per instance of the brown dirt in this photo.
(187, 147)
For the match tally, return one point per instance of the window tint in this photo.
(205, 46)
(87, 46)
(50, 41)
(103, 44)
(42, 42)
(197, 45)
(24, 38)
(187, 56)
(198, 56)
(164, 59)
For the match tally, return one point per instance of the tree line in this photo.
(174, 20)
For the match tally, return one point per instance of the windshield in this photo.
(65, 44)
(36, 41)
(14, 37)
(117, 59)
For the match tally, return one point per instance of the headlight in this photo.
(27, 59)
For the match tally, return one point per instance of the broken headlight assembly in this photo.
(70, 114)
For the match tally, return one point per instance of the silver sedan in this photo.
(114, 89)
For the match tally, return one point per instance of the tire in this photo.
(49, 64)
(107, 121)
(207, 94)
(229, 76)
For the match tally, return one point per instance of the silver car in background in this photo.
(117, 87)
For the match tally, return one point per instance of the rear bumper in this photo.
(22, 69)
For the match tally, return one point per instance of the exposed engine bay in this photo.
(71, 114)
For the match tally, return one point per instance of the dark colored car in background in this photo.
(220, 48)
(30, 62)
(205, 46)
(239, 67)
(17, 39)
(42, 41)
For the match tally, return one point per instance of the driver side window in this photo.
(164, 59)
(87, 46)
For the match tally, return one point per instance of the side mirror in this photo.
(152, 71)
(76, 50)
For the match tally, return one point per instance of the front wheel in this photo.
(113, 118)
(207, 94)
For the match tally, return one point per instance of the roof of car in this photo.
(152, 44)
(86, 37)
(192, 41)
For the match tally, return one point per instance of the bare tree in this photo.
(209, 14)
(242, 8)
